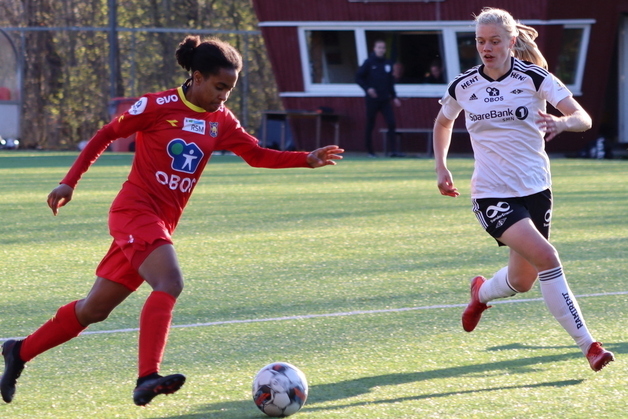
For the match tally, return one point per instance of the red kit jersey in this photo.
(174, 141)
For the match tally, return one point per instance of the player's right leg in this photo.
(518, 276)
(69, 321)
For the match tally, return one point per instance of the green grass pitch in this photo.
(357, 274)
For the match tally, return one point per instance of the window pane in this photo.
(569, 53)
(333, 58)
(418, 55)
(467, 52)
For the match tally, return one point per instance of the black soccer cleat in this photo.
(153, 385)
(13, 367)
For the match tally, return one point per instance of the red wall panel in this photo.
(284, 53)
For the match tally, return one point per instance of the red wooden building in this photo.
(316, 47)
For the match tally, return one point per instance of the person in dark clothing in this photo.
(375, 76)
(436, 74)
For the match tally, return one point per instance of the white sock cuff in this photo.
(550, 274)
(497, 287)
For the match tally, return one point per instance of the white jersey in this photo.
(501, 115)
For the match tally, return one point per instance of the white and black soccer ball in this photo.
(280, 389)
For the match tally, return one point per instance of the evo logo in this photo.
(167, 99)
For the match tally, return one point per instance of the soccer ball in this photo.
(279, 389)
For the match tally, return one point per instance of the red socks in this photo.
(154, 327)
(59, 329)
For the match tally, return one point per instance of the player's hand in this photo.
(324, 156)
(446, 183)
(550, 124)
(59, 196)
(372, 93)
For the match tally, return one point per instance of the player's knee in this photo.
(88, 314)
(522, 282)
(175, 287)
(100, 315)
(525, 286)
(547, 259)
(172, 285)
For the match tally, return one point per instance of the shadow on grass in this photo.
(323, 393)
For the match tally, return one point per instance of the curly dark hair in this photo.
(208, 56)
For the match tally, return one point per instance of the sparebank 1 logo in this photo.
(185, 157)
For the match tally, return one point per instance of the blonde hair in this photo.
(525, 48)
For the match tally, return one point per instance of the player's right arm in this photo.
(443, 127)
(129, 122)
(59, 196)
(62, 194)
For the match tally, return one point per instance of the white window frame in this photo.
(449, 30)
(576, 87)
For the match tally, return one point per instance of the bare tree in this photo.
(66, 74)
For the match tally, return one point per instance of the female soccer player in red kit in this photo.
(176, 132)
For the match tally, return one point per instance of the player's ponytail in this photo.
(185, 52)
(208, 56)
(526, 49)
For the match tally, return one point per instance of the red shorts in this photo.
(135, 235)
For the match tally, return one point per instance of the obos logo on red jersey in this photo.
(185, 157)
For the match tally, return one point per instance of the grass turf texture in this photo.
(368, 235)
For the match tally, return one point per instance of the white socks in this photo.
(557, 296)
(496, 287)
(563, 306)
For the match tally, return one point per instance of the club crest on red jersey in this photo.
(213, 129)
(185, 157)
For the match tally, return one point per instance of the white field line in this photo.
(347, 313)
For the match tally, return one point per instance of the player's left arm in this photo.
(257, 156)
(574, 118)
(236, 139)
(324, 156)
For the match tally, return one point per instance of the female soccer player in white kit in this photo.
(504, 102)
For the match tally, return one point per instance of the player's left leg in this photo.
(161, 271)
(524, 239)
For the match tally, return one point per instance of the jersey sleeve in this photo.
(450, 106)
(135, 119)
(553, 90)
